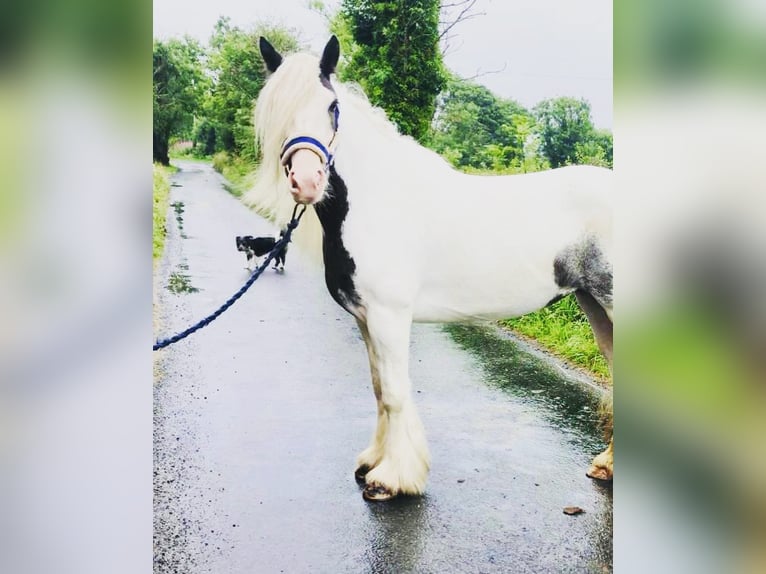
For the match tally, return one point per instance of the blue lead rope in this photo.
(283, 241)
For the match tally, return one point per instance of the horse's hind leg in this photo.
(602, 467)
(399, 438)
(600, 323)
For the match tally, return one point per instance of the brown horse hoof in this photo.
(376, 493)
(361, 472)
(599, 473)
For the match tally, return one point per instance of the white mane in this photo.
(287, 90)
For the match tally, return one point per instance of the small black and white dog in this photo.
(257, 247)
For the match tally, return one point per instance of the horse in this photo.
(542, 236)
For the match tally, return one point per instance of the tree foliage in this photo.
(238, 74)
(178, 84)
(392, 49)
(567, 132)
(396, 58)
(474, 128)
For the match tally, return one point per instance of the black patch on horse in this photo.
(583, 267)
(325, 81)
(339, 266)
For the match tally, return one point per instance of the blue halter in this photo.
(308, 142)
(314, 144)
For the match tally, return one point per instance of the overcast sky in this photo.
(545, 48)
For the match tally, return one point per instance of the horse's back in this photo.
(493, 252)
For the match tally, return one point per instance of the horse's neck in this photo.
(376, 161)
(332, 210)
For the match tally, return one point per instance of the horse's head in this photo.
(297, 118)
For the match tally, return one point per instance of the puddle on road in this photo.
(180, 282)
(567, 404)
(178, 207)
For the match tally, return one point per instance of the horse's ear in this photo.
(270, 55)
(330, 57)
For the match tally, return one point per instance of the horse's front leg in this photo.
(372, 455)
(399, 454)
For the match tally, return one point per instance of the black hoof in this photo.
(361, 472)
(599, 473)
(376, 493)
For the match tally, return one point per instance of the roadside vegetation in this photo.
(238, 171)
(161, 193)
(204, 95)
(563, 328)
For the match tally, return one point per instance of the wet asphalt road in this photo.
(259, 417)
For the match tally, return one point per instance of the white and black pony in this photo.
(541, 235)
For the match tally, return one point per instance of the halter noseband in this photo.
(307, 142)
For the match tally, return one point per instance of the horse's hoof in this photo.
(361, 472)
(599, 473)
(377, 493)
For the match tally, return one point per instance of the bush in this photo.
(220, 161)
(237, 170)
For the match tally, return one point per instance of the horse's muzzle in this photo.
(307, 177)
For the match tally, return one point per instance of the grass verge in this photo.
(161, 195)
(239, 172)
(563, 329)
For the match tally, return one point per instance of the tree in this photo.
(474, 128)
(396, 58)
(452, 13)
(238, 74)
(604, 140)
(532, 157)
(178, 83)
(562, 124)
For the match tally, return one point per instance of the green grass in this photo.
(161, 194)
(239, 172)
(563, 329)
(190, 158)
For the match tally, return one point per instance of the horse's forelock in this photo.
(284, 93)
